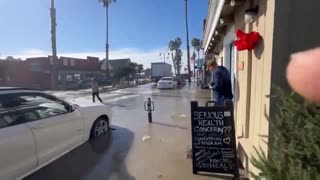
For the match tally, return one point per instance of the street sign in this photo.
(199, 63)
(213, 139)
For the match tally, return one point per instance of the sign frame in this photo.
(228, 107)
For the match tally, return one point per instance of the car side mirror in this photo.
(73, 107)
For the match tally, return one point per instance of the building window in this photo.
(77, 77)
(65, 61)
(36, 67)
(72, 62)
(59, 77)
(51, 60)
(69, 77)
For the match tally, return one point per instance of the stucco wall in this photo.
(287, 26)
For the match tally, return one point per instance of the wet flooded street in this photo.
(136, 149)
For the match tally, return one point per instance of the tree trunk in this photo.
(187, 37)
(53, 46)
(107, 41)
(174, 65)
(198, 54)
(177, 63)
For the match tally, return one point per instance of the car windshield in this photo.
(159, 89)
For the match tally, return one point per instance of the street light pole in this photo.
(164, 57)
(188, 46)
(107, 39)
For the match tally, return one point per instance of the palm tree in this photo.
(178, 60)
(172, 47)
(187, 37)
(178, 54)
(106, 4)
(53, 45)
(140, 68)
(196, 43)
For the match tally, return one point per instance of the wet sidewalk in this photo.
(137, 149)
(159, 149)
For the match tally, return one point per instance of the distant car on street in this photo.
(37, 128)
(180, 81)
(167, 83)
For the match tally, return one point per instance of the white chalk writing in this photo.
(220, 130)
(207, 115)
(211, 123)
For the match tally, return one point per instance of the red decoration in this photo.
(246, 41)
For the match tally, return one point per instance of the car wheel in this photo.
(100, 126)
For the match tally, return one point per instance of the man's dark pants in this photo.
(94, 94)
(218, 98)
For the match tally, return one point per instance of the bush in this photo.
(294, 142)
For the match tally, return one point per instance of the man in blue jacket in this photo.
(220, 83)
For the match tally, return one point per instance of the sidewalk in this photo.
(159, 149)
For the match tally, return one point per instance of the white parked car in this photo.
(167, 83)
(37, 128)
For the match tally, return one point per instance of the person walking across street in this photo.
(220, 83)
(95, 90)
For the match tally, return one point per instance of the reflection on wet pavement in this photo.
(101, 158)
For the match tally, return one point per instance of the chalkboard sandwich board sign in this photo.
(213, 139)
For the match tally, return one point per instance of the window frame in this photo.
(65, 61)
(72, 62)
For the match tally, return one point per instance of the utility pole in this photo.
(107, 39)
(53, 45)
(188, 46)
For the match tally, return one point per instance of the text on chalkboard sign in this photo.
(213, 139)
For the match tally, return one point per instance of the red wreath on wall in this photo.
(246, 41)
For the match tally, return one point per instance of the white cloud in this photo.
(136, 55)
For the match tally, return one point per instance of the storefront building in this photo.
(285, 27)
(36, 72)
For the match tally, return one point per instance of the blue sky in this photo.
(138, 28)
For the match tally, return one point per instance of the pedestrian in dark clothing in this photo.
(95, 90)
(220, 83)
